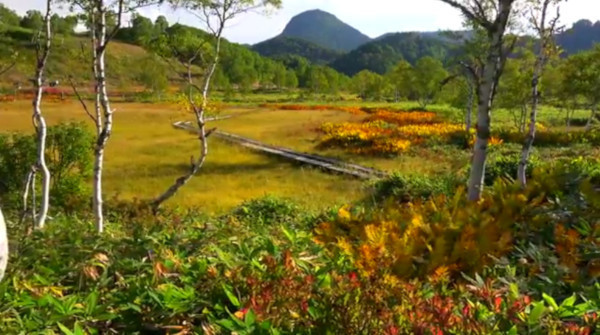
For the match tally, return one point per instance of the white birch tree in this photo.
(43, 46)
(545, 28)
(97, 13)
(214, 16)
(3, 246)
(493, 17)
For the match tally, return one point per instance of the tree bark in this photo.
(40, 122)
(477, 174)
(470, 103)
(3, 246)
(106, 126)
(486, 93)
(29, 184)
(103, 110)
(588, 126)
(528, 145)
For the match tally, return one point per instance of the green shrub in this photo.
(269, 210)
(69, 156)
(577, 122)
(17, 155)
(406, 188)
(550, 138)
(585, 167)
(506, 165)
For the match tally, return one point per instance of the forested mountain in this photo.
(378, 55)
(326, 30)
(282, 46)
(381, 55)
(582, 36)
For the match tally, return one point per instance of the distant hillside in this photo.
(129, 64)
(582, 36)
(326, 30)
(66, 59)
(282, 46)
(381, 55)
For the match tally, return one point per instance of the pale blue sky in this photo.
(372, 17)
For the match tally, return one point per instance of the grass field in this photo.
(299, 130)
(145, 155)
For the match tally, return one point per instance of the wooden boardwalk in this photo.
(325, 163)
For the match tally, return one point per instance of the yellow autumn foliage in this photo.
(439, 237)
(388, 132)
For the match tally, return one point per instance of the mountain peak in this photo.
(315, 11)
(324, 29)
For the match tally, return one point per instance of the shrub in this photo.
(169, 272)
(584, 167)
(269, 210)
(421, 237)
(17, 155)
(69, 150)
(550, 138)
(69, 156)
(506, 165)
(380, 137)
(577, 122)
(403, 118)
(407, 188)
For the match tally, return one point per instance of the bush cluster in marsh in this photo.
(389, 133)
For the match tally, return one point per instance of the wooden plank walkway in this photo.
(326, 163)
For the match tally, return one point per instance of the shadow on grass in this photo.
(218, 168)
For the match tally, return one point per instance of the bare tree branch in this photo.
(476, 15)
(8, 68)
(81, 101)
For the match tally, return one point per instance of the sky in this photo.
(373, 18)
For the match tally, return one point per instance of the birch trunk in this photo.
(588, 126)
(477, 175)
(3, 246)
(471, 102)
(546, 34)
(105, 121)
(528, 145)
(487, 79)
(486, 93)
(40, 123)
(199, 113)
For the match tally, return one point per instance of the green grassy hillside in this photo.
(70, 57)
